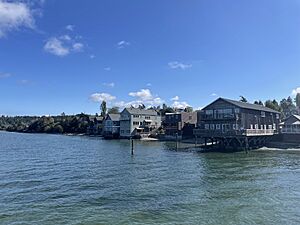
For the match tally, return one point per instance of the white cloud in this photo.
(56, 47)
(180, 105)
(92, 56)
(149, 85)
(62, 45)
(14, 15)
(143, 94)
(99, 97)
(78, 47)
(70, 27)
(65, 37)
(214, 95)
(179, 65)
(123, 44)
(107, 68)
(176, 98)
(296, 91)
(112, 84)
(5, 75)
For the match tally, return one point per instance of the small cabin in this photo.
(291, 125)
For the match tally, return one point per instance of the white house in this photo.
(136, 122)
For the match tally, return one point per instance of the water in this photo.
(52, 179)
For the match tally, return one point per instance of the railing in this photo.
(290, 130)
(222, 133)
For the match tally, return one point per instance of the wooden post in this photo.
(176, 141)
(132, 147)
(246, 144)
(196, 141)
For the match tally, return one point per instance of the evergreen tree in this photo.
(103, 108)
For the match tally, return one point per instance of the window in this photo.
(277, 116)
(237, 110)
(136, 123)
(263, 114)
(206, 126)
(235, 126)
(218, 126)
(212, 126)
(147, 117)
(190, 117)
(136, 116)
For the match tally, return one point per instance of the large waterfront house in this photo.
(180, 123)
(225, 117)
(111, 126)
(136, 122)
(291, 125)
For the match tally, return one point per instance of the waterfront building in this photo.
(291, 125)
(111, 125)
(228, 122)
(137, 122)
(180, 123)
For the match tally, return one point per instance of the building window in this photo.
(237, 110)
(206, 126)
(136, 116)
(190, 117)
(212, 126)
(277, 116)
(218, 127)
(136, 123)
(263, 114)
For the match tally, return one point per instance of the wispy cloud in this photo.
(63, 45)
(175, 98)
(92, 56)
(70, 27)
(149, 85)
(107, 69)
(5, 75)
(99, 97)
(214, 95)
(179, 65)
(123, 44)
(56, 47)
(15, 15)
(112, 84)
(77, 47)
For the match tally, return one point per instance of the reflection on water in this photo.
(52, 179)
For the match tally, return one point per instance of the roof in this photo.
(297, 117)
(148, 112)
(114, 116)
(245, 105)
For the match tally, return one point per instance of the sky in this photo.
(67, 56)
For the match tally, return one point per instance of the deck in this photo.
(234, 133)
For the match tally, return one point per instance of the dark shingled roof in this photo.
(114, 116)
(245, 105)
(148, 112)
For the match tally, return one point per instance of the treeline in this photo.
(47, 124)
(287, 106)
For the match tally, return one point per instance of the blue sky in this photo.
(66, 56)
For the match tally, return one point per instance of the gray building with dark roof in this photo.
(230, 117)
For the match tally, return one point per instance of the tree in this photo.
(113, 110)
(259, 103)
(103, 108)
(243, 99)
(297, 100)
(273, 105)
(288, 107)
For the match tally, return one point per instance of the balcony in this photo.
(229, 133)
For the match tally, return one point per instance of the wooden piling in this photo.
(132, 147)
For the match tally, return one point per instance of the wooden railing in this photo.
(222, 133)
